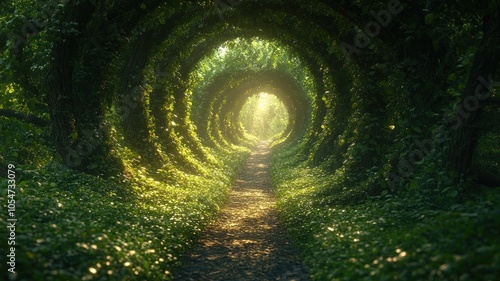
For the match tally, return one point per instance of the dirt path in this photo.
(247, 242)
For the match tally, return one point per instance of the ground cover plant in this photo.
(411, 235)
(80, 227)
(123, 124)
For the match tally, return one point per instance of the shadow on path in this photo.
(247, 241)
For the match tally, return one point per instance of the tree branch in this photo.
(30, 118)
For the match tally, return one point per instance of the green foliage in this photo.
(129, 226)
(488, 155)
(24, 144)
(253, 54)
(264, 116)
(403, 236)
(97, 229)
(241, 68)
(185, 73)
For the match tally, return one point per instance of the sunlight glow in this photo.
(222, 51)
(264, 115)
(263, 102)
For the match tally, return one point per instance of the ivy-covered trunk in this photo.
(60, 85)
(132, 106)
(473, 98)
(75, 95)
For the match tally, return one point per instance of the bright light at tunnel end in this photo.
(264, 116)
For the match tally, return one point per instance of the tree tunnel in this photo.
(347, 81)
(231, 100)
(131, 92)
(373, 100)
(263, 116)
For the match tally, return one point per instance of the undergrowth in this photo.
(73, 226)
(400, 236)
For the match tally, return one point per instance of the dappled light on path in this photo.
(247, 241)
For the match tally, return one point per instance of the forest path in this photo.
(247, 241)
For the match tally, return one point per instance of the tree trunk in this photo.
(61, 90)
(474, 97)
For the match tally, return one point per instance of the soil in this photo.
(247, 241)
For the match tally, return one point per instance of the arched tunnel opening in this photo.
(124, 125)
(244, 67)
(264, 116)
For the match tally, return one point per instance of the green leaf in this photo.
(454, 193)
(417, 129)
(429, 18)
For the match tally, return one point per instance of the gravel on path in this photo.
(247, 241)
